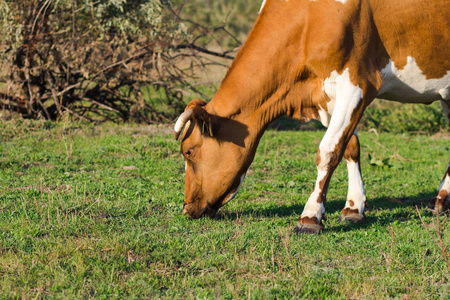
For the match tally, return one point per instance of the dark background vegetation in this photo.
(137, 61)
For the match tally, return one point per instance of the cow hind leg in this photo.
(442, 201)
(353, 211)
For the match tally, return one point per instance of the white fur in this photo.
(324, 116)
(237, 190)
(263, 3)
(262, 6)
(329, 87)
(344, 98)
(410, 84)
(445, 184)
(312, 207)
(356, 191)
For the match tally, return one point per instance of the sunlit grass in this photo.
(95, 211)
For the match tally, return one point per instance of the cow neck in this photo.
(252, 105)
(257, 100)
(266, 80)
(299, 100)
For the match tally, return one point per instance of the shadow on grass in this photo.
(382, 203)
(286, 123)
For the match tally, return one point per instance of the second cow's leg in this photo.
(442, 201)
(356, 196)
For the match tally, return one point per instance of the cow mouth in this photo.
(207, 211)
(210, 210)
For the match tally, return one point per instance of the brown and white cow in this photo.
(315, 59)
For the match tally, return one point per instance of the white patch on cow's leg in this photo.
(445, 184)
(347, 97)
(314, 207)
(442, 201)
(356, 196)
(237, 189)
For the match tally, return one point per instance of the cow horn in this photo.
(181, 122)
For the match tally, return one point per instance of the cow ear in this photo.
(195, 111)
(195, 103)
(208, 122)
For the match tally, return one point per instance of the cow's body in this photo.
(324, 60)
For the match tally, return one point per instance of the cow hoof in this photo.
(352, 218)
(438, 208)
(308, 228)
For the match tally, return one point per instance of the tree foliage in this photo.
(97, 59)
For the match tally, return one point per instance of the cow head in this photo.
(216, 158)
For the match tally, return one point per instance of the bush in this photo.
(385, 116)
(138, 60)
(96, 60)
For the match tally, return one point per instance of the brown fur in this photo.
(349, 211)
(352, 149)
(310, 221)
(293, 47)
(443, 194)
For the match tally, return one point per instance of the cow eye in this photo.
(189, 152)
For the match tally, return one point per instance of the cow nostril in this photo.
(192, 211)
(188, 212)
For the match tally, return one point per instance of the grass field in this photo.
(95, 212)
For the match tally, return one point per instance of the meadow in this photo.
(92, 211)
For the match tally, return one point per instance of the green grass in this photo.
(95, 212)
(389, 116)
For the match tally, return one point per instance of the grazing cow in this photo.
(315, 59)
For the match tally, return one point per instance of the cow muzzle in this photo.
(194, 213)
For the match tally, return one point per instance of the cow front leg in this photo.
(328, 157)
(347, 112)
(353, 211)
(310, 220)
